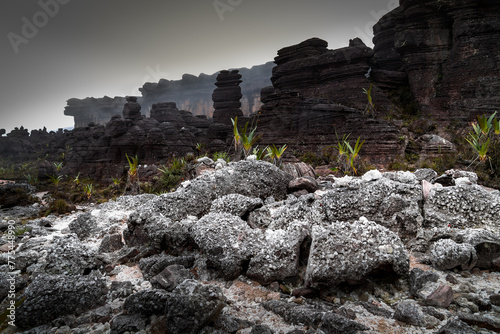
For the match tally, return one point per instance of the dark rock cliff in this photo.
(448, 53)
(436, 61)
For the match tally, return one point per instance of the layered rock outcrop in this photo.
(418, 66)
(94, 110)
(168, 132)
(317, 97)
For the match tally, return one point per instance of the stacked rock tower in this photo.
(227, 97)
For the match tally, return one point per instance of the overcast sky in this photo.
(54, 50)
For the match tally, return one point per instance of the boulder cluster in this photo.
(247, 248)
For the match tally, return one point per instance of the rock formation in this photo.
(227, 97)
(94, 110)
(234, 250)
(132, 110)
(154, 139)
(418, 67)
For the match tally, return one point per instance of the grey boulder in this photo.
(352, 251)
(50, 297)
(447, 254)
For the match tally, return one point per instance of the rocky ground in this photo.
(247, 248)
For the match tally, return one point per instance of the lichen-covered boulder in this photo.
(154, 265)
(447, 254)
(227, 241)
(69, 256)
(236, 204)
(352, 251)
(418, 279)
(84, 225)
(192, 305)
(278, 215)
(279, 255)
(233, 247)
(462, 206)
(410, 313)
(107, 216)
(50, 297)
(486, 243)
(146, 302)
(391, 201)
(171, 277)
(250, 178)
(158, 231)
(316, 317)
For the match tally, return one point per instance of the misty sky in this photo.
(81, 48)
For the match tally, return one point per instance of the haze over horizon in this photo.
(54, 50)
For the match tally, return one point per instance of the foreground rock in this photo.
(50, 297)
(235, 250)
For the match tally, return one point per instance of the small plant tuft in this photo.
(243, 139)
(348, 154)
(221, 155)
(275, 153)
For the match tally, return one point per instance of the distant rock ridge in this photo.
(93, 110)
(191, 93)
